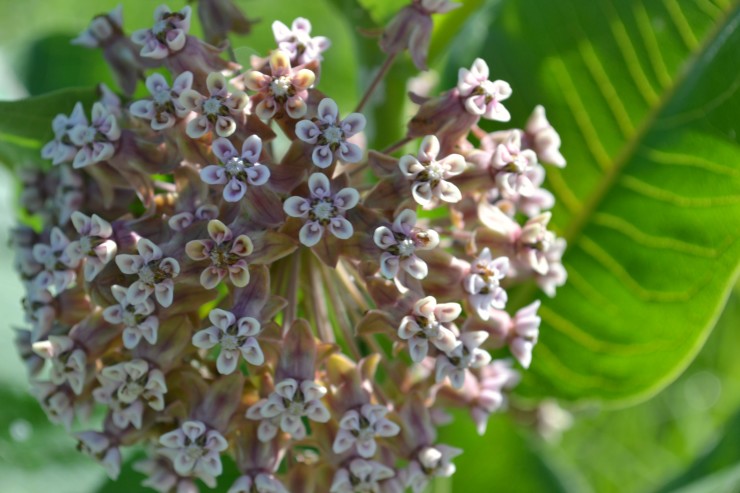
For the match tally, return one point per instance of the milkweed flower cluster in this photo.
(222, 300)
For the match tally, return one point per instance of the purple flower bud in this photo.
(412, 28)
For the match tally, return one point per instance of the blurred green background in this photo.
(645, 96)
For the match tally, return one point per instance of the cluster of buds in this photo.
(298, 312)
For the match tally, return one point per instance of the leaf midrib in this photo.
(629, 150)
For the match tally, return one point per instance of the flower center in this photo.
(406, 248)
(86, 245)
(235, 166)
(162, 97)
(160, 26)
(194, 451)
(230, 342)
(295, 408)
(324, 209)
(280, 86)
(129, 317)
(146, 275)
(90, 134)
(212, 106)
(333, 134)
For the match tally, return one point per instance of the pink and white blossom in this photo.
(182, 220)
(543, 138)
(358, 429)
(429, 322)
(513, 166)
(297, 41)
(164, 109)
(238, 171)
(127, 388)
(330, 136)
(94, 248)
(429, 176)
(226, 254)
(137, 318)
(61, 149)
(59, 270)
(481, 96)
(430, 462)
(284, 89)
(236, 339)
(219, 112)
(155, 273)
(291, 401)
(194, 449)
(68, 361)
(167, 36)
(96, 142)
(483, 283)
(466, 354)
(400, 243)
(361, 476)
(324, 209)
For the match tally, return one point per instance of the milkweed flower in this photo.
(238, 171)
(324, 209)
(168, 35)
(155, 273)
(166, 288)
(284, 89)
(235, 338)
(218, 112)
(164, 108)
(399, 244)
(297, 41)
(226, 254)
(329, 135)
(430, 176)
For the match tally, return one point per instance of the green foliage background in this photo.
(645, 96)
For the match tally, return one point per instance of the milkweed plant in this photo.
(224, 269)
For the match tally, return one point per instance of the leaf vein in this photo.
(682, 25)
(631, 59)
(675, 159)
(651, 191)
(657, 242)
(610, 264)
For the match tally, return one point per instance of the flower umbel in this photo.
(285, 298)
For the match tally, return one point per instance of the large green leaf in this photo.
(645, 96)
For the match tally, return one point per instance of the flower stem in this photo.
(318, 297)
(374, 84)
(397, 145)
(292, 308)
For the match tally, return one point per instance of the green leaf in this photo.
(724, 481)
(722, 460)
(646, 104)
(642, 447)
(505, 455)
(25, 125)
